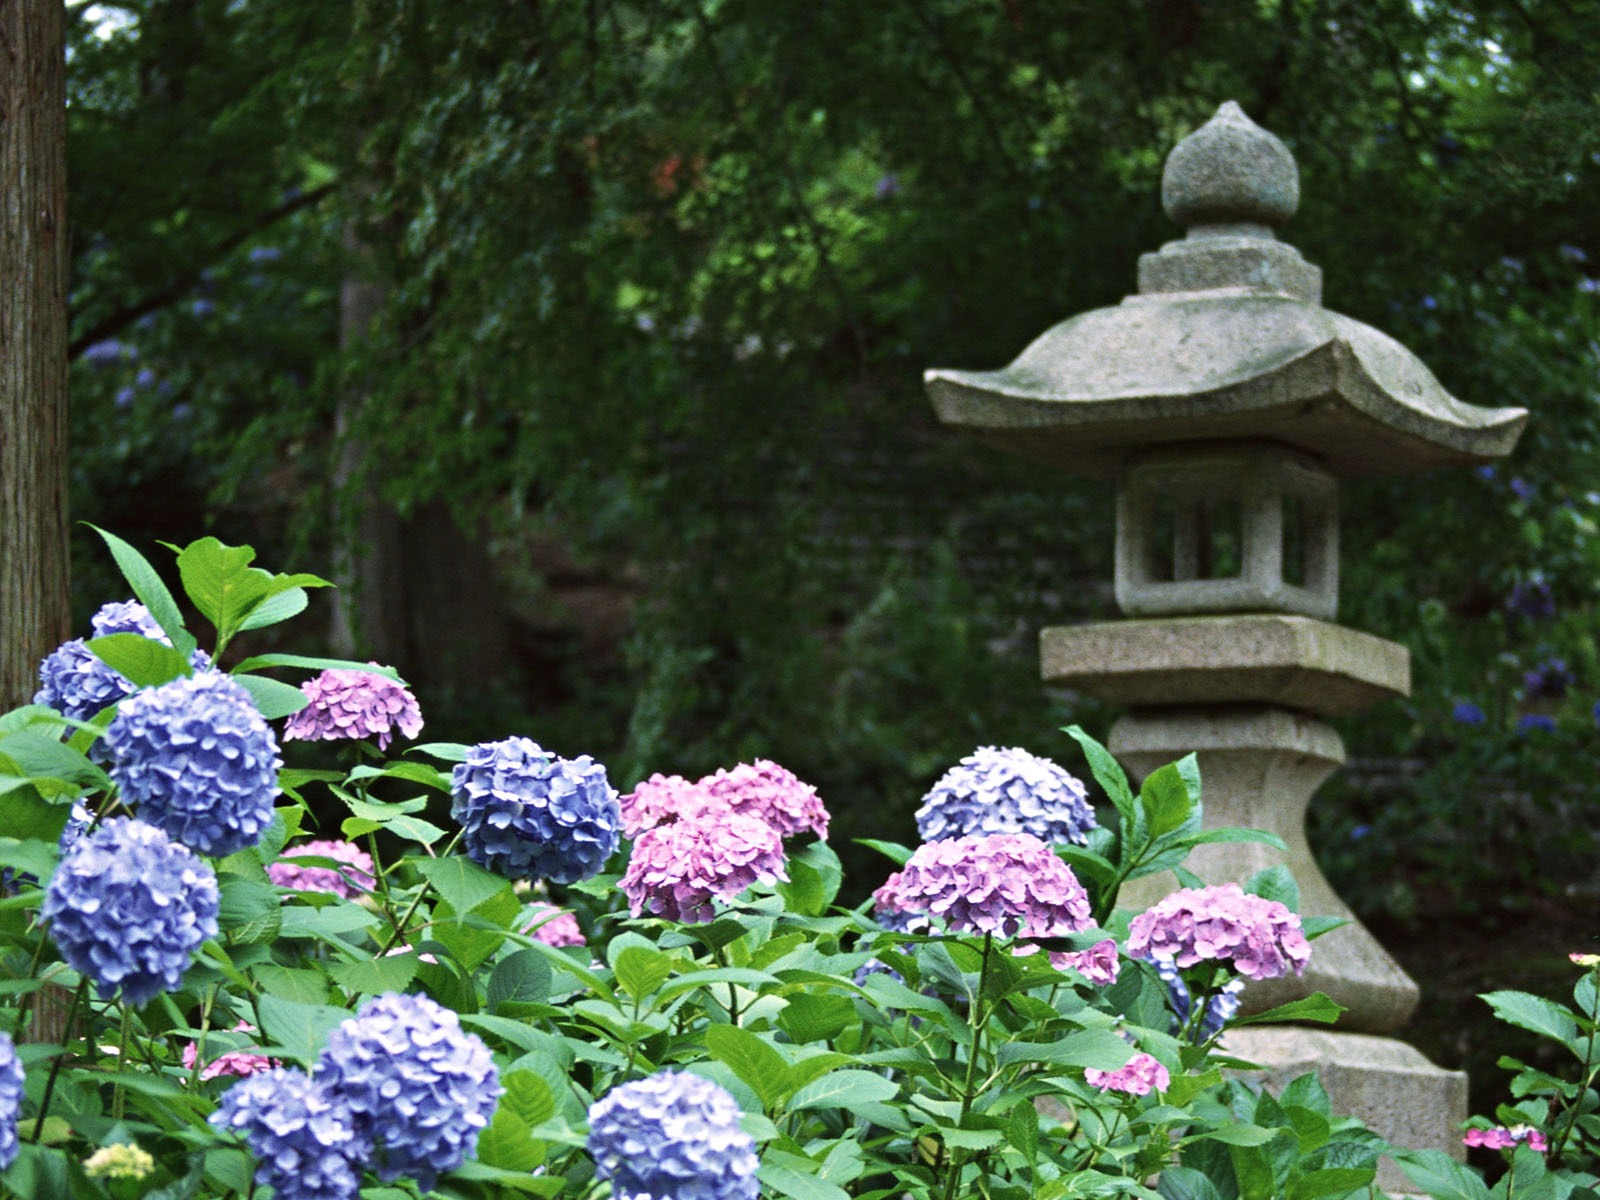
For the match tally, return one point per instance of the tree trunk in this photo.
(34, 616)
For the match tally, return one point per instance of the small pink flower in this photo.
(764, 789)
(1501, 1137)
(348, 881)
(1009, 884)
(1098, 964)
(677, 869)
(1142, 1075)
(234, 1062)
(354, 704)
(665, 798)
(552, 926)
(1258, 938)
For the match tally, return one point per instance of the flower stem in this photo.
(55, 1067)
(976, 1019)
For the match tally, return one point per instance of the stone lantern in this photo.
(1225, 403)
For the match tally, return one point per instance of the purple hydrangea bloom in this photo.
(663, 798)
(354, 704)
(1254, 936)
(230, 1062)
(1467, 713)
(1532, 599)
(1502, 1137)
(199, 761)
(1221, 1008)
(1010, 884)
(128, 907)
(353, 879)
(11, 1080)
(1521, 488)
(1528, 722)
(1006, 791)
(774, 794)
(672, 1135)
(305, 1138)
(419, 1085)
(552, 926)
(676, 870)
(1552, 677)
(1098, 964)
(1142, 1075)
(524, 812)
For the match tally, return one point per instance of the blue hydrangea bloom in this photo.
(1220, 1009)
(128, 907)
(127, 616)
(1467, 713)
(418, 1084)
(198, 760)
(304, 1137)
(77, 684)
(1006, 791)
(526, 813)
(11, 1079)
(672, 1134)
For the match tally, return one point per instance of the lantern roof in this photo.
(1226, 340)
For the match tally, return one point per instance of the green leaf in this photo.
(640, 970)
(298, 1030)
(35, 857)
(302, 920)
(258, 661)
(522, 977)
(1275, 883)
(1186, 1183)
(1237, 1135)
(40, 756)
(529, 1096)
(971, 1139)
(1331, 1181)
(463, 883)
(1164, 797)
(1317, 1007)
(893, 851)
(220, 582)
(816, 1016)
(152, 593)
(751, 1058)
(843, 1089)
(411, 772)
(374, 976)
(251, 911)
(1436, 1173)
(450, 752)
(1207, 837)
(1107, 773)
(25, 815)
(142, 661)
(290, 602)
(779, 1179)
(1097, 1048)
(1536, 1014)
(508, 1143)
(1022, 1131)
(274, 699)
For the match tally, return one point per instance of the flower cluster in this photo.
(1010, 884)
(1551, 677)
(1006, 791)
(72, 678)
(354, 704)
(128, 906)
(11, 1080)
(676, 870)
(774, 794)
(305, 1139)
(663, 798)
(1142, 1075)
(415, 1082)
(127, 616)
(1501, 1137)
(1254, 936)
(525, 812)
(349, 881)
(1098, 964)
(1532, 599)
(760, 789)
(1221, 1007)
(672, 1135)
(234, 1062)
(120, 1160)
(553, 926)
(198, 760)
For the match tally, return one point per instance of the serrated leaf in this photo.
(1105, 769)
(522, 977)
(298, 1030)
(1242, 1134)
(290, 602)
(1440, 1175)
(220, 581)
(258, 661)
(1317, 1007)
(753, 1060)
(250, 911)
(640, 970)
(374, 976)
(781, 1180)
(31, 856)
(1275, 883)
(1535, 1014)
(1164, 797)
(1097, 1048)
(463, 883)
(844, 1089)
(528, 1095)
(508, 1143)
(893, 851)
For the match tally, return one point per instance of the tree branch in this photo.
(123, 317)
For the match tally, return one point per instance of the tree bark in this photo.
(34, 614)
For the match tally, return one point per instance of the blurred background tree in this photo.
(618, 435)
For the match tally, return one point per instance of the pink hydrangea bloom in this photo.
(1501, 1137)
(354, 704)
(764, 789)
(234, 1062)
(1258, 938)
(348, 881)
(1010, 884)
(1098, 964)
(677, 869)
(664, 798)
(552, 926)
(1142, 1075)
